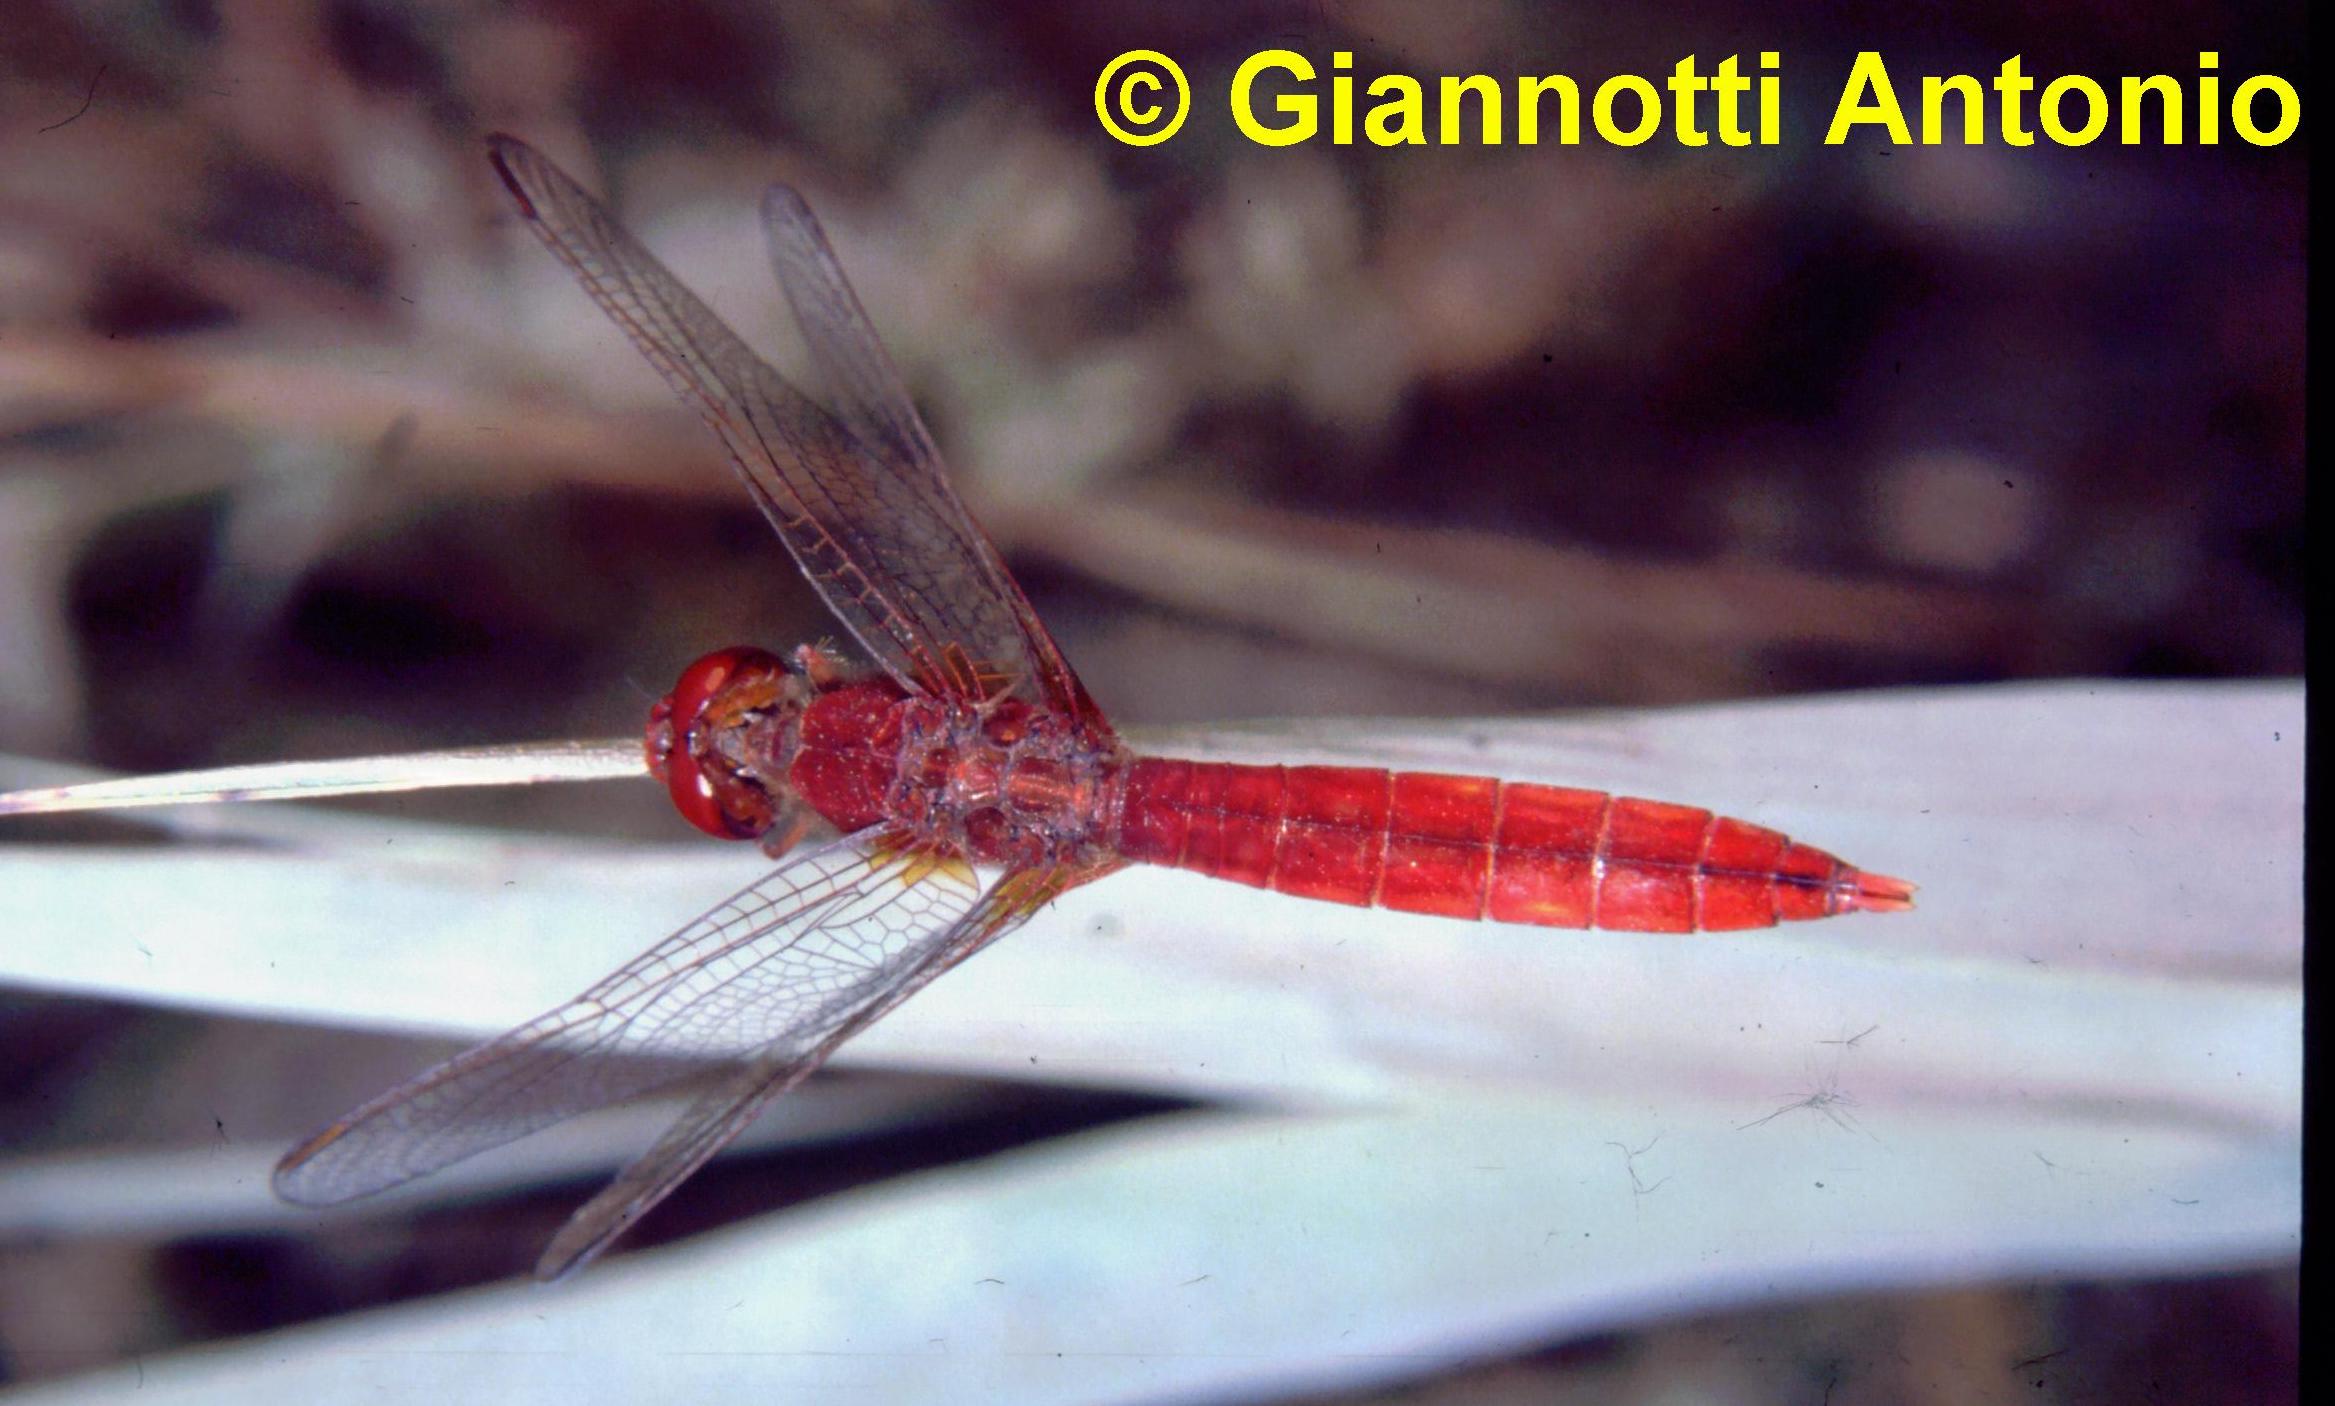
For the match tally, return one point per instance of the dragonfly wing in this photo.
(723, 1111)
(939, 559)
(789, 960)
(861, 501)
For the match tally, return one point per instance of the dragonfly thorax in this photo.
(1004, 782)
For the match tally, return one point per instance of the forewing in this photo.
(724, 1110)
(942, 565)
(862, 502)
(785, 963)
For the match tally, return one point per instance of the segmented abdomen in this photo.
(1475, 847)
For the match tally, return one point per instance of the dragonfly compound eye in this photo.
(715, 693)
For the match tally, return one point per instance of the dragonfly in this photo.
(928, 801)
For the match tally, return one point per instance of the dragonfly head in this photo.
(694, 738)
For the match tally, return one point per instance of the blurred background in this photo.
(307, 449)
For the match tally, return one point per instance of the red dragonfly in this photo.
(961, 784)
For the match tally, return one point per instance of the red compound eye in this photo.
(674, 721)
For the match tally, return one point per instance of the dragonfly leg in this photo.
(823, 669)
(794, 822)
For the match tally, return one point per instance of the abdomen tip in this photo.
(1877, 893)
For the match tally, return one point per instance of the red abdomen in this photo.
(1474, 847)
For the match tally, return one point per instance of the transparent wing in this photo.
(906, 470)
(783, 966)
(861, 501)
(723, 1111)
